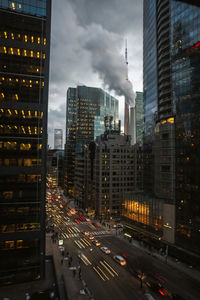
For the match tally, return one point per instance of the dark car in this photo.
(156, 286)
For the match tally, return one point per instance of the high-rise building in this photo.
(150, 89)
(58, 139)
(104, 172)
(139, 114)
(24, 76)
(172, 119)
(86, 109)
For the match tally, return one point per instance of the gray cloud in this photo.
(115, 15)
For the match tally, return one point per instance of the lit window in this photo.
(32, 39)
(12, 36)
(170, 120)
(45, 41)
(38, 54)
(3, 78)
(19, 35)
(16, 96)
(17, 79)
(38, 40)
(42, 83)
(11, 50)
(2, 95)
(5, 50)
(43, 56)
(25, 53)
(25, 38)
(31, 53)
(13, 5)
(5, 34)
(18, 51)
(20, 6)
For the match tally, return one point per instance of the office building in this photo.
(55, 167)
(58, 139)
(171, 138)
(105, 171)
(24, 76)
(86, 108)
(139, 115)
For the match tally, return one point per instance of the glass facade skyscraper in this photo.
(139, 106)
(24, 75)
(175, 165)
(86, 109)
(149, 88)
(185, 67)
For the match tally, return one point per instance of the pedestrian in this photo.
(61, 261)
(69, 263)
(74, 272)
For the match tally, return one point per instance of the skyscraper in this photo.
(139, 107)
(58, 139)
(86, 109)
(24, 75)
(174, 27)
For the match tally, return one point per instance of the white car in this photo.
(120, 260)
(105, 250)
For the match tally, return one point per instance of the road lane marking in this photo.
(82, 240)
(98, 273)
(88, 243)
(103, 273)
(107, 269)
(84, 259)
(77, 244)
(110, 267)
(80, 243)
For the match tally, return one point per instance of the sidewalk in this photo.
(69, 286)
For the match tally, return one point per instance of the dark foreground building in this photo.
(24, 76)
(172, 127)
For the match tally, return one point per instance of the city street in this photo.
(105, 277)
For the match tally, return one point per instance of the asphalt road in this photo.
(105, 278)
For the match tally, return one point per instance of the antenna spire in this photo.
(126, 58)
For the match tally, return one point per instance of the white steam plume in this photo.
(107, 62)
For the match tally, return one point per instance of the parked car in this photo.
(105, 250)
(120, 260)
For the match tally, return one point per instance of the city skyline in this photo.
(68, 46)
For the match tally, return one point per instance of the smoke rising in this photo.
(107, 62)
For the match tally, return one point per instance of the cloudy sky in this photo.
(87, 48)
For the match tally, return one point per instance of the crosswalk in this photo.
(105, 271)
(78, 234)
